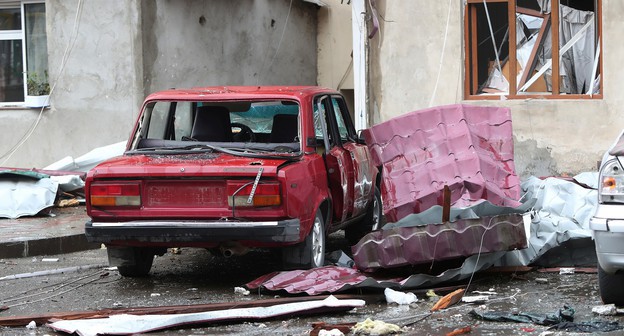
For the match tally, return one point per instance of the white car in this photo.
(608, 225)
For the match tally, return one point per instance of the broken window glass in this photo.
(509, 48)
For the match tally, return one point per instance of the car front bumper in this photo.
(194, 233)
(608, 227)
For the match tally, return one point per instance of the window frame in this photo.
(19, 35)
(470, 47)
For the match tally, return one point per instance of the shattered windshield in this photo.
(236, 127)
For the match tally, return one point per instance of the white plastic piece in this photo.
(401, 298)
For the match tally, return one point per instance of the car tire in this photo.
(370, 222)
(311, 252)
(131, 261)
(611, 287)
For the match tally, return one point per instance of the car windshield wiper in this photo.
(244, 152)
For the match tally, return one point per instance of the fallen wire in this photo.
(54, 288)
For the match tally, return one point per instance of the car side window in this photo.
(342, 128)
(158, 120)
(183, 119)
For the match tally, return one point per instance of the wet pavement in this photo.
(61, 231)
(194, 276)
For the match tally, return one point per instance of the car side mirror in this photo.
(360, 138)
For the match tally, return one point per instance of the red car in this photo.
(231, 169)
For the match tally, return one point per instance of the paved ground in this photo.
(60, 232)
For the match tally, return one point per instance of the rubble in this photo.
(608, 309)
(125, 324)
(400, 298)
(448, 300)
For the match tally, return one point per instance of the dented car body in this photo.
(232, 169)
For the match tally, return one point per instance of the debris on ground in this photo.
(588, 327)
(25, 193)
(566, 314)
(125, 324)
(375, 327)
(460, 331)
(475, 299)
(400, 298)
(608, 309)
(318, 328)
(241, 290)
(448, 300)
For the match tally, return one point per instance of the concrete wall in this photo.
(96, 92)
(123, 50)
(335, 44)
(551, 136)
(222, 42)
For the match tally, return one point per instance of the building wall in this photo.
(551, 137)
(123, 50)
(335, 44)
(222, 42)
(93, 68)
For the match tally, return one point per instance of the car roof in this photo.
(240, 92)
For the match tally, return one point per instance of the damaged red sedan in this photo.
(232, 169)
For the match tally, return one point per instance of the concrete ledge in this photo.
(46, 246)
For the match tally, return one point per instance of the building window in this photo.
(523, 37)
(22, 37)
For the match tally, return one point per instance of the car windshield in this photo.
(235, 127)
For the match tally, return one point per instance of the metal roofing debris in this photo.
(468, 148)
(561, 213)
(401, 246)
(89, 160)
(25, 193)
(132, 324)
(331, 279)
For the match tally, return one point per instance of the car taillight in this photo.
(611, 187)
(266, 194)
(115, 194)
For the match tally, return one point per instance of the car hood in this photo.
(186, 165)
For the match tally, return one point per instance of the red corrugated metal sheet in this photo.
(400, 246)
(469, 148)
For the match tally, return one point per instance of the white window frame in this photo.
(18, 35)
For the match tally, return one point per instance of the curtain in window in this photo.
(36, 40)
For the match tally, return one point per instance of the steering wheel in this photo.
(245, 134)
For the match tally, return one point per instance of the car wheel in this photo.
(611, 289)
(371, 221)
(311, 252)
(131, 261)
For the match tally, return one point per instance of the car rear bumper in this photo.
(209, 232)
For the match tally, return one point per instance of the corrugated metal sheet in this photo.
(468, 148)
(401, 246)
(334, 279)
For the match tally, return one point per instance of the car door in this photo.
(349, 169)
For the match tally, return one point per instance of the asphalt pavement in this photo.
(60, 231)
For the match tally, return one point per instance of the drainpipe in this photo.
(358, 17)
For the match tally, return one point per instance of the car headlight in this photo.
(611, 187)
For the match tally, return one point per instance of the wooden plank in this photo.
(554, 33)
(531, 12)
(473, 50)
(446, 204)
(530, 67)
(467, 53)
(513, 63)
